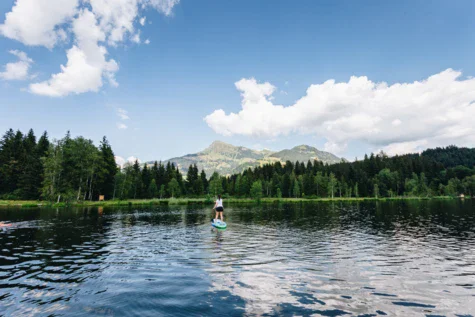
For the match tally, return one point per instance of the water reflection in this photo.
(368, 259)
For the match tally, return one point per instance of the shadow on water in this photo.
(407, 258)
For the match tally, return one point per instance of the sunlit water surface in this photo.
(358, 259)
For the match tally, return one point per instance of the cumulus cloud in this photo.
(132, 159)
(119, 161)
(398, 118)
(18, 70)
(93, 25)
(87, 63)
(38, 22)
(122, 161)
(116, 17)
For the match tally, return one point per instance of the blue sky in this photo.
(198, 50)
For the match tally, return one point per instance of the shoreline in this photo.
(203, 201)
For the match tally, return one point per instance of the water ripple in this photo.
(326, 259)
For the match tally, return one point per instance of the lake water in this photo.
(332, 259)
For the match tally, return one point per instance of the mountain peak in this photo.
(303, 153)
(220, 146)
(219, 143)
(304, 148)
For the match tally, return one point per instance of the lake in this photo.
(399, 258)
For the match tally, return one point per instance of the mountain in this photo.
(303, 153)
(228, 159)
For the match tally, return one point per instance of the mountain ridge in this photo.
(227, 159)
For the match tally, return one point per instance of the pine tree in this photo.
(146, 180)
(10, 158)
(154, 172)
(215, 184)
(286, 189)
(204, 180)
(332, 182)
(190, 190)
(106, 180)
(137, 179)
(199, 187)
(29, 181)
(296, 190)
(152, 189)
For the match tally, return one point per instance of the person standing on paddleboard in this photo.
(218, 206)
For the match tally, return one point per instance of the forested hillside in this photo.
(74, 169)
(452, 156)
(60, 170)
(374, 176)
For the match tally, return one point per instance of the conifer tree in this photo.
(296, 190)
(204, 180)
(152, 189)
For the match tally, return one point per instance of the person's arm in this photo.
(215, 204)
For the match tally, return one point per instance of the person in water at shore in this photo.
(218, 206)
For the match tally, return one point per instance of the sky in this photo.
(164, 78)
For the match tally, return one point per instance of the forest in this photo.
(75, 169)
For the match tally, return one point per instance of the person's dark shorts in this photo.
(219, 209)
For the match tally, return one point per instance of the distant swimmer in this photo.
(2, 224)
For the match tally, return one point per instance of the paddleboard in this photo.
(219, 224)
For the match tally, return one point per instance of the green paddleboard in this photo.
(219, 224)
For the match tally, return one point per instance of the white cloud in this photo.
(396, 122)
(142, 21)
(87, 64)
(94, 25)
(398, 118)
(136, 38)
(123, 114)
(132, 159)
(163, 6)
(18, 70)
(37, 22)
(121, 126)
(119, 161)
(122, 162)
(405, 147)
(147, 41)
(116, 17)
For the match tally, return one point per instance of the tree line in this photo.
(60, 170)
(74, 169)
(377, 175)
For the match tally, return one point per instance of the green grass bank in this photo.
(201, 201)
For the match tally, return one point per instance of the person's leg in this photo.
(217, 214)
(221, 215)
